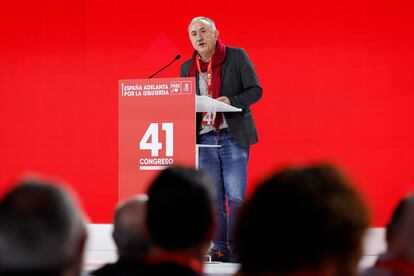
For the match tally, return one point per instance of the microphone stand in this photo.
(176, 58)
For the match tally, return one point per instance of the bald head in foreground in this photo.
(130, 238)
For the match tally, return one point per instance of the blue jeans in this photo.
(227, 165)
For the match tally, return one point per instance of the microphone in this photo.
(176, 58)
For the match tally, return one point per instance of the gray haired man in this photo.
(227, 75)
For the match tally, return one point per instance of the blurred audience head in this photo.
(129, 228)
(400, 229)
(42, 232)
(180, 212)
(302, 220)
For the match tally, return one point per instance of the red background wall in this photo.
(338, 84)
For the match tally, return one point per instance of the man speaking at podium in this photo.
(227, 75)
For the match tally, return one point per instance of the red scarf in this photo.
(217, 60)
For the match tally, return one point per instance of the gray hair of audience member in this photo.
(400, 229)
(205, 19)
(41, 229)
(129, 228)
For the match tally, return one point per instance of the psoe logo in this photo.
(176, 88)
(181, 87)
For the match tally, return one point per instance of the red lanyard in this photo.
(209, 75)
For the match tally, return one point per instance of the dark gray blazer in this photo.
(240, 84)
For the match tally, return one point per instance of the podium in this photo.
(156, 126)
(156, 129)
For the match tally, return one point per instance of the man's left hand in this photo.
(224, 99)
